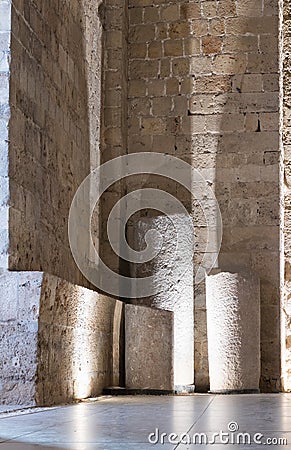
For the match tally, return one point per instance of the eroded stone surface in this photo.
(172, 274)
(56, 340)
(149, 339)
(233, 326)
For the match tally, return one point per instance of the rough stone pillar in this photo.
(233, 322)
(174, 293)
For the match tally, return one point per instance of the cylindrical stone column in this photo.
(174, 293)
(233, 326)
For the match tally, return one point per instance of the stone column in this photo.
(175, 286)
(233, 323)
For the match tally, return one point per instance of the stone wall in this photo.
(53, 84)
(5, 30)
(76, 342)
(204, 86)
(54, 127)
(59, 341)
(20, 303)
(286, 312)
(114, 113)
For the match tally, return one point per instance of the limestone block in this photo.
(20, 294)
(233, 326)
(174, 293)
(79, 332)
(148, 348)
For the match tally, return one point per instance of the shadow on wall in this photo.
(248, 174)
(234, 126)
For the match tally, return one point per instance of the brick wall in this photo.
(54, 127)
(203, 85)
(114, 113)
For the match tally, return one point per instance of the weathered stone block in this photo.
(233, 326)
(149, 338)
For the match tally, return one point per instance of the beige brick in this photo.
(172, 86)
(188, 85)
(209, 8)
(151, 14)
(199, 27)
(112, 80)
(113, 136)
(138, 50)
(211, 45)
(155, 50)
(270, 82)
(179, 30)
(249, 8)
(173, 125)
(190, 10)
(143, 69)
(269, 44)
(269, 121)
(262, 63)
(156, 88)
(162, 106)
(165, 68)
(251, 25)
(181, 106)
(191, 47)
(201, 65)
(170, 13)
(163, 143)
(181, 66)
(193, 124)
(247, 83)
(226, 8)
(232, 122)
(141, 33)
(113, 59)
(227, 64)
(112, 116)
(162, 31)
(251, 122)
(139, 143)
(136, 88)
(216, 27)
(153, 126)
(214, 123)
(271, 8)
(239, 44)
(140, 106)
(135, 16)
(112, 98)
(213, 84)
(114, 39)
(173, 48)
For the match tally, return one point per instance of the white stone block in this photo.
(233, 326)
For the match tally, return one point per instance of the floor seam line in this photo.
(196, 421)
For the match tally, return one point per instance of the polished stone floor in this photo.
(128, 423)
